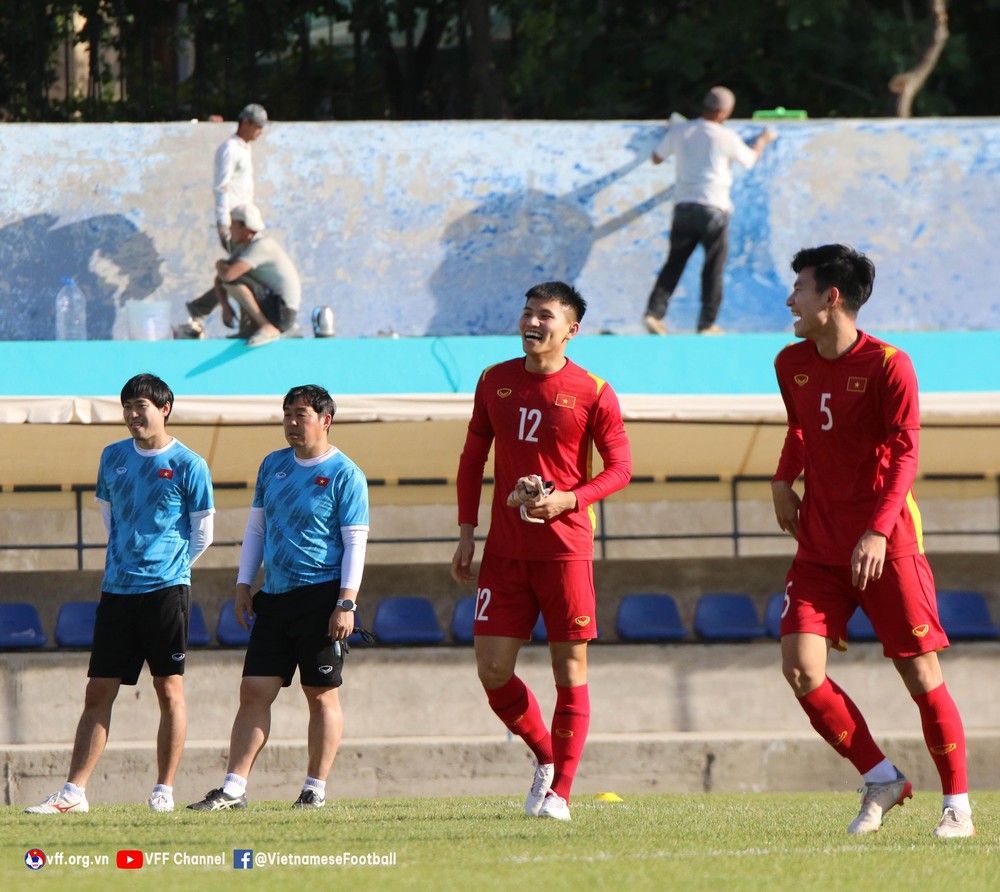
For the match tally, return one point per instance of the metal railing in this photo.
(736, 534)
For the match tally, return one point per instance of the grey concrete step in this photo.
(495, 766)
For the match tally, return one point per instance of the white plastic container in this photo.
(71, 312)
(148, 320)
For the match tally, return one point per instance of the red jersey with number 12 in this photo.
(853, 426)
(547, 425)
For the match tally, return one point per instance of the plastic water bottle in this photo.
(71, 313)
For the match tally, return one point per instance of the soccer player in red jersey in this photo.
(542, 414)
(853, 428)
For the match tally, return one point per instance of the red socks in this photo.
(570, 724)
(840, 723)
(518, 709)
(945, 738)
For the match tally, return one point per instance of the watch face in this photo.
(346, 604)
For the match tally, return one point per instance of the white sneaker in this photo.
(876, 800)
(160, 801)
(193, 329)
(57, 804)
(954, 823)
(554, 806)
(539, 787)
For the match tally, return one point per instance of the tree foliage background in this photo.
(431, 59)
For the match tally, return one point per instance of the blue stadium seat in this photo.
(772, 618)
(198, 634)
(408, 620)
(20, 626)
(462, 619)
(727, 616)
(966, 616)
(75, 624)
(540, 634)
(859, 627)
(649, 616)
(228, 631)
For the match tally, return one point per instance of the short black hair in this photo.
(840, 266)
(148, 387)
(315, 396)
(565, 294)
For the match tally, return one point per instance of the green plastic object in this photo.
(780, 113)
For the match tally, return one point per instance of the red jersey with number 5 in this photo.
(546, 425)
(853, 427)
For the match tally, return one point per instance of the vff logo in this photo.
(243, 859)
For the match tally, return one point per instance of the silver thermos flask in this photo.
(323, 322)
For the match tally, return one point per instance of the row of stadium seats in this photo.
(411, 620)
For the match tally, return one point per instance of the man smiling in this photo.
(542, 414)
(853, 428)
(155, 496)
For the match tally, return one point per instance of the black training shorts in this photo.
(134, 629)
(271, 304)
(291, 630)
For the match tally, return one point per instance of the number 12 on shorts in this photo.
(482, 602)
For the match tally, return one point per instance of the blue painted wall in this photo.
(439, 228)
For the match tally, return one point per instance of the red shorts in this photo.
(512, 593)
(902, 605)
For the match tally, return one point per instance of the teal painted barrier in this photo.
(946, 362)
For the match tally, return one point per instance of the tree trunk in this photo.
(484, 69)
(907, 84)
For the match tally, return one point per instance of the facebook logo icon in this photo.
(243, 859)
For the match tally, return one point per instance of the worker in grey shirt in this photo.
(261, 278)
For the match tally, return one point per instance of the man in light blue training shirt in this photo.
(309, 526)
(155, 497)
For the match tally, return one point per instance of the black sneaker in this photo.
(216, 800)
(309, 799)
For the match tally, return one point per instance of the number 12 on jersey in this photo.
(530, 419)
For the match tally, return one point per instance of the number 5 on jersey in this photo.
(824, 410)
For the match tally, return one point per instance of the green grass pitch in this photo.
(729, 842)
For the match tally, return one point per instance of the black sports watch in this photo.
(347, 604)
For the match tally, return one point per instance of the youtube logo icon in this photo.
(129, 859)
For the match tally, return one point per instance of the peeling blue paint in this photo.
(440, 228)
